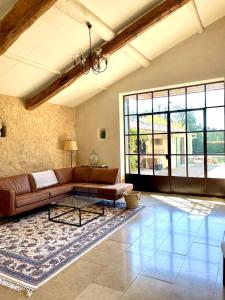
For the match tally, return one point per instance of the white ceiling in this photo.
(47, 48)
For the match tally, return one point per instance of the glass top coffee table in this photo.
(82, 209)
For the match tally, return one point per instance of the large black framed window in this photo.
(176, 132)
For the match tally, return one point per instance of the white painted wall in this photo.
(201, 57)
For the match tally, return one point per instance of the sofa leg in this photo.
(223, 271)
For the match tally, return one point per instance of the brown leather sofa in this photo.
(18, 194)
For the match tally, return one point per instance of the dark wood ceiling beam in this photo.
(22, 15)
(152, 17)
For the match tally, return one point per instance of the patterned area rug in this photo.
(34, 250)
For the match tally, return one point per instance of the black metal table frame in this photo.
(80, 210)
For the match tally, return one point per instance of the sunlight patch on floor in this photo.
(193, 206)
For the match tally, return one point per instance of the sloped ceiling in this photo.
(47, 48)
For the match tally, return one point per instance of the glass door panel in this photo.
(146, 164)
(153, 144)
(178, 165)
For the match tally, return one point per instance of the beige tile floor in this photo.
(169, 251)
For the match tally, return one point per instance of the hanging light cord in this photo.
(94, 61)
(90, 42)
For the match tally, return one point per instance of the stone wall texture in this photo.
(35, 138)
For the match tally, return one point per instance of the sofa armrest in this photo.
(7, 202)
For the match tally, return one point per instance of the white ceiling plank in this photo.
(166, 34)
(82, 14)
(49, 23)
(75, 94)
(46, 68)
(195, 15)
(92, 84)
(118, 14)
(30, 62)
(210, 11)
(23, 80)
(64, 44)
(6, 65)
(136, 55)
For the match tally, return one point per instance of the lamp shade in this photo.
(70, 145)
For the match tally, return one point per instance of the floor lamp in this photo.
(70, 146)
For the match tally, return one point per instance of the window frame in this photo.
(169, 133)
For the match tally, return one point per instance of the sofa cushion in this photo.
(19, 184)
(29, 198)
(102, 189)
(103, 175)
(115, 189)
(81, 174)
(64, 175)
(81, 187)
(45, 179)
(61, 189)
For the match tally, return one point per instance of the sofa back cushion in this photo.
(19, 184)
(81, 174)
(32, 183)
(64, 175)
(103, 175)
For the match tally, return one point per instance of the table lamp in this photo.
(71, 146)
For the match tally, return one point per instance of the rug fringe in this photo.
(16, 287)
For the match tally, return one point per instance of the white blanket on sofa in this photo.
(44, 179)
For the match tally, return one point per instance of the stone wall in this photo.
(35, 138)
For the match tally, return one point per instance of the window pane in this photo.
(178, 143)
(215, 94)
(195, 120)
(216, 166)
(146, 165)
(161, 165)
(195, 96)
(131, 125)
(160, 101)
(177, 121)
(131, 164)
(145, 124)
(145, 103)
(160, 144)
(196, 143)
(160, 123)
(215, 142)
(177, 99)
(215, 118)
(178, 165)
(131, 144)
(145, 144)
(195, 166)
(130, 105)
